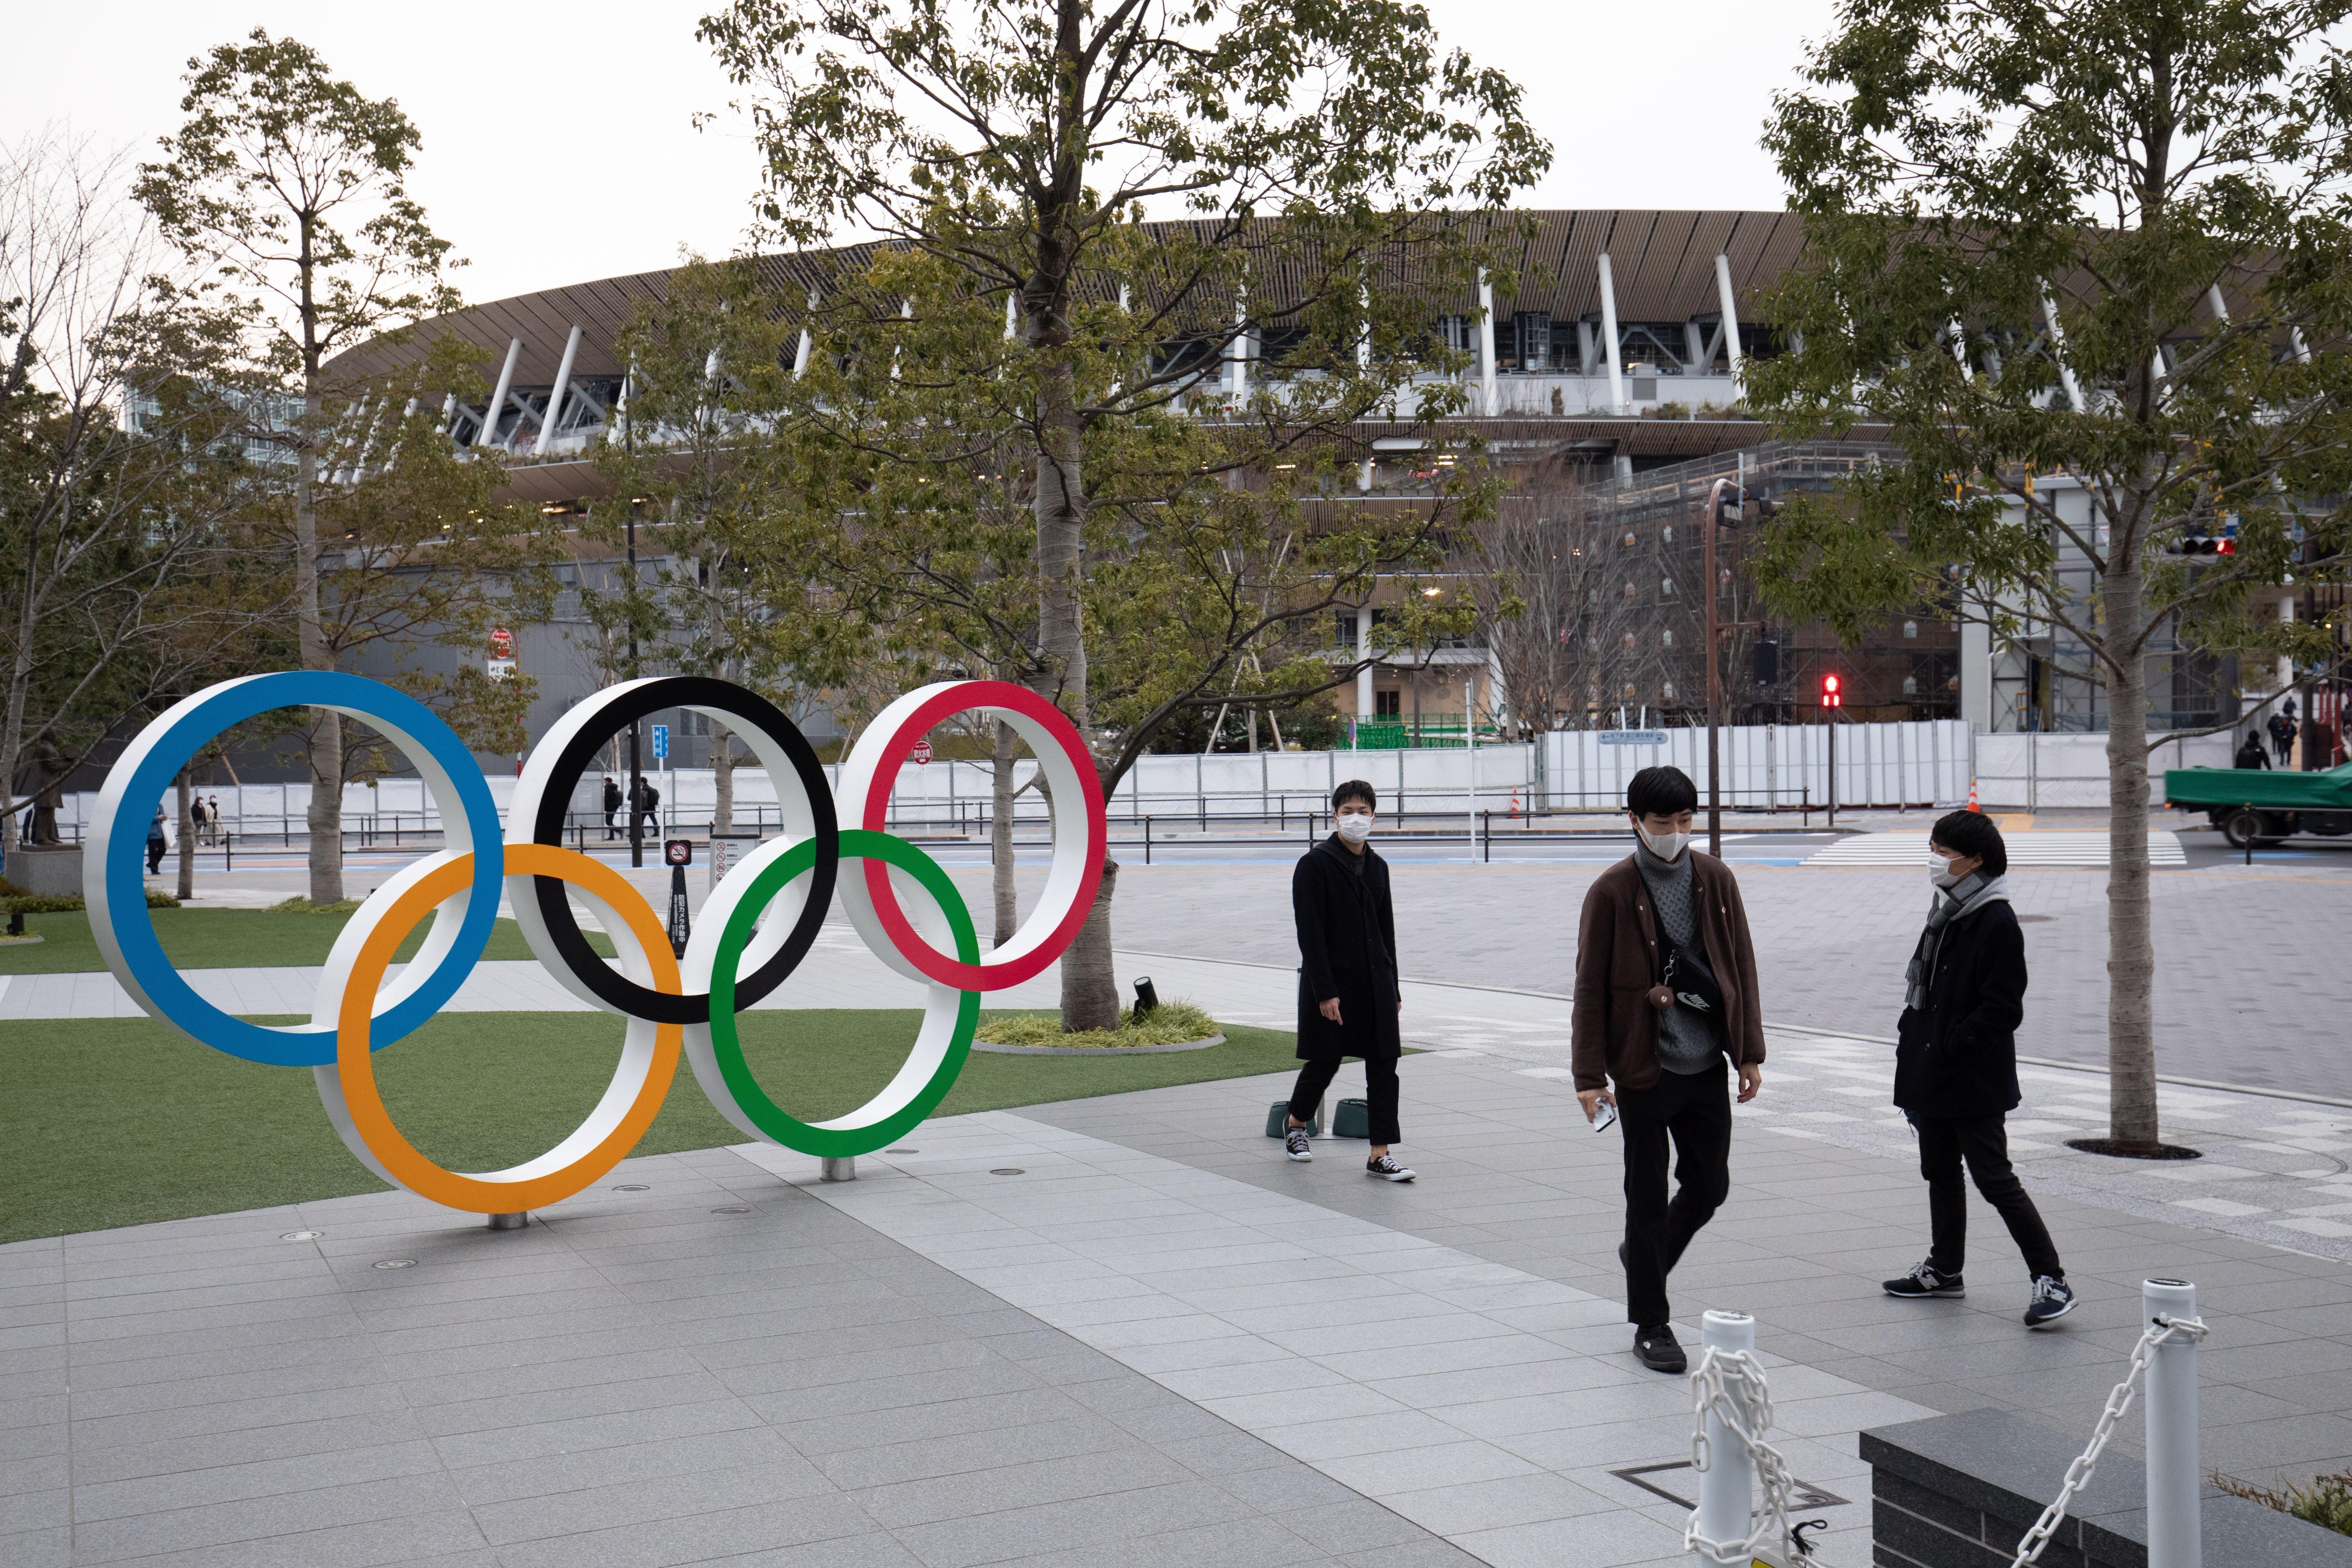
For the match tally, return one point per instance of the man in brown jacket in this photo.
(1666, 990)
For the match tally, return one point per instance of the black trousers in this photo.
(1983, 1142)
(1692, 1111)
(611, 831)
(1379, 1092)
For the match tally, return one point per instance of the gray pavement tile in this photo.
(492, 1444)
(695, 1536)
(234, 1416)
(932, 1499)
(966, 1452)
(510, 1480)
(1467, 1505)
(1260, 1542)
(1352, 1524)
(877, 1550)
(410, 1499)
(880, 1426)
(1082, 1524)
(30, 1510)
(255, 1479)
(49, 1548)
(617, 1502)
(1597, 1540)
(990, 1377)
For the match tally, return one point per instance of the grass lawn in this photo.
(112, 1122)
(224, 939)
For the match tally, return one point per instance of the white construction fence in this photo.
(1766, 767)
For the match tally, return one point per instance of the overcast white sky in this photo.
(559, 142)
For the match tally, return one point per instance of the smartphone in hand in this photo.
(1603, 1116)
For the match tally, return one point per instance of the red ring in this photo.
(963, 697)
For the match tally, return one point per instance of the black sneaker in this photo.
(1659, 1350)
(1923, 1283)
(1386, 1169)
(2053, 1299)
(1294, 1143)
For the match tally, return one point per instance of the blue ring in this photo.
(208, 714)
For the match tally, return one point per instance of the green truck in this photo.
(2257, 807)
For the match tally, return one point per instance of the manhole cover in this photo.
(302, 1236)
(633, 1187)
(1804, 1495)
(902, 1151)
(734, 1208)
(394, 1263)
(1008, 1170)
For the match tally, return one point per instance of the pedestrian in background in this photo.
(1956, 1065)
(2250, 755)
(156, 843)
(1347, 995)
(1665, 992)
(2283, 729)
(611, 807)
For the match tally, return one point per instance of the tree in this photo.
(1008, 153)
(125, 495)
(286, 188)
(2091, 264)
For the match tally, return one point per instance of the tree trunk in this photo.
(187, 884)
(1003, 753)
(2131, 952)
(326, 738)
(1089, 986)
(722, 779)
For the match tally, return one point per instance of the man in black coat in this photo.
(1956, 1065)
(1347, 996)
(611, 807)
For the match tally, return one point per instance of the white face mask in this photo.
(1664, 845)
(1939, 872)
(1355, 827)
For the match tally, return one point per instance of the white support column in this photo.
(1609, 337)
(1693, 350)
(2058, 346)
(1584, 348)
(2301, 349)
(1486, 345)
(1961, 349)
(488, 434)
(1730, 320)
(1364, 332)
(448, 410)
(555, 397)
(800, 354)
(1364, 651)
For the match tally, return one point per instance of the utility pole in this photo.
(637, 767)
(1716, 627)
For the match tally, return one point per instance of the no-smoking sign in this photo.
(921, 751)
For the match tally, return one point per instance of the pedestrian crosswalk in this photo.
(2024, 849)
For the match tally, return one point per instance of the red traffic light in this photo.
(1832, 696)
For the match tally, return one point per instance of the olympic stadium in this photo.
(1615, 352)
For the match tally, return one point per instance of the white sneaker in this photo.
(1386, 1169)
(1294, 1143)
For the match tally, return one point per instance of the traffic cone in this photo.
(1972, 796)
(1514, 803)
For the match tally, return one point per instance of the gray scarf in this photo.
(1957, 902)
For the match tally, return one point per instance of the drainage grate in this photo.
(734, 1208)
(633, 1187)
(394, 1263)
(302, 1236)
(1008, 1170)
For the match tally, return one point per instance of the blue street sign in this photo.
(661, 741)
(1614, 738)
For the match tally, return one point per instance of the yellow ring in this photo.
(522, 1187)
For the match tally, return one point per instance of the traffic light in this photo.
(2198, 538)
(1832, 691)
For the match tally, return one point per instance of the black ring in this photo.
(572, 764)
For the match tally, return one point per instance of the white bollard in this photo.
(2173, 1476)
(836, 1168)
(1727, 1488)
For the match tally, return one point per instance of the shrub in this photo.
(2327, 1502)
(302, 906)
(1170, 1023)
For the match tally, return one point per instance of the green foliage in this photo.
(1966, 176)
(1169, 1023)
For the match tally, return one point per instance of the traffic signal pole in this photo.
(1714, 679)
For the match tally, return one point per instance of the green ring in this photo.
(727, 1044)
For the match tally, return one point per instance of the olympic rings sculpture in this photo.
(756, 926)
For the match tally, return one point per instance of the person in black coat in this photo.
(1956, 1065)
(611, 807)
(1347, 995)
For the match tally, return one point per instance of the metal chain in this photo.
(2078, 1474)
(1731, 1385)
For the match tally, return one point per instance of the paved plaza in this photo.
(1126, 1327)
